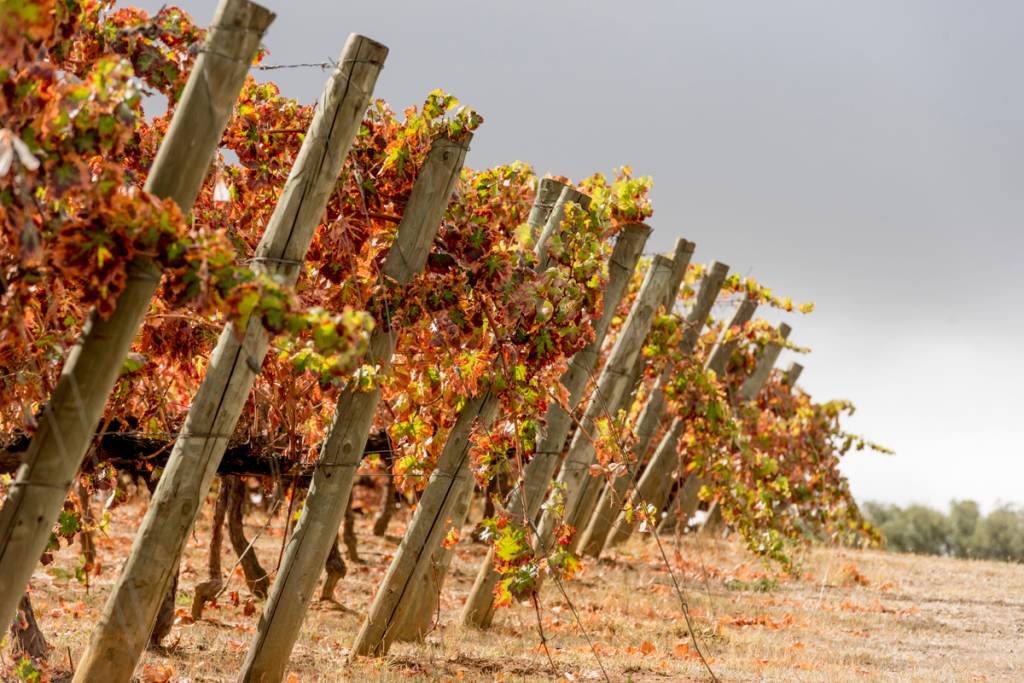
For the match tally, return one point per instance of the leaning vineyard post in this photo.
(548, 192)
(525, 499)
(234, 363)
(793, 374)
(681, 256)
(623, 527)
(611, 384)
(650, 418)
(588, 499)
(342, 450)
(397, 592)
(69, 421)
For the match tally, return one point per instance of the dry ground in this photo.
(851, 616)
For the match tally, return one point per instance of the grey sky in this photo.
(868, 156)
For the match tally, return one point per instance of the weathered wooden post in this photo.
(727, 344)
(73, 412)
(553, 224)
(752, 386)
(611, 385)
(655, 484)
(132, 606)
(793, 374)
(416, 621)
(342, 450)
(588, 501)
(610, 504)
(548, 191)
(681, 256)
(426, 530)
(525, 500)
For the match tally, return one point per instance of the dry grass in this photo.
(851, 616)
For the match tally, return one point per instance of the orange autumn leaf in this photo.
(157, 673)
(741, 621)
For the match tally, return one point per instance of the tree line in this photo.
(964, 531)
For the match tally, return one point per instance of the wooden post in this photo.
(76, 405)
(681, 256)
(610, 386)
(548, 191)
(793, 374)
(656, 483)
(396, 593)
(607, 508)
(752, 386)
(553, 224)
(415, 622)
(723, 349)
(342, 450)
(131, 608)
(588, 501)
(426, 530)
(525, 500)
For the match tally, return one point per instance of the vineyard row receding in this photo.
(246, 292)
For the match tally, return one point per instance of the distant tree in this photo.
(879, 513)
(964, 516)
(1001, 534)
(964, 532)
(922, 530)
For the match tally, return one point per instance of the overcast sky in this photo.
(867, 156)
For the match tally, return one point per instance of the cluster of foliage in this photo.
(75, 152)
(771, 464)
(962, 532)
(792, 449)
(518, 560)
(483, 319)
(549, 332)
(75, 214)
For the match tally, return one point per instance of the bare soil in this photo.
(851, 615)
